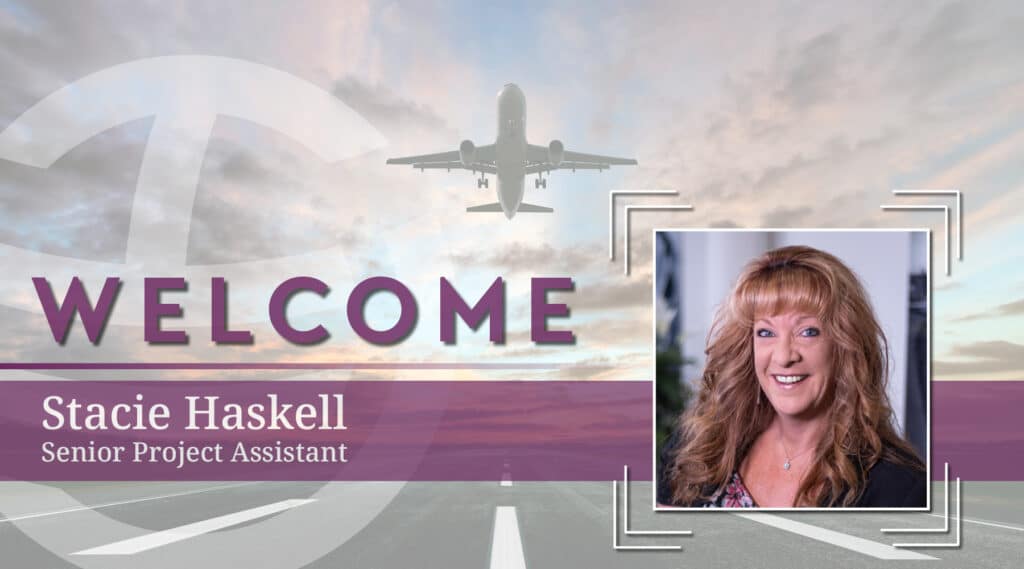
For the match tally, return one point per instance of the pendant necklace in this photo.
(789, 460)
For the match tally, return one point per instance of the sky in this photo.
(774, 114)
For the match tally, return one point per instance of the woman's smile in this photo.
(789, 380)
(792, 356)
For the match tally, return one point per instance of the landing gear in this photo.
(540, 183)
(482, 182)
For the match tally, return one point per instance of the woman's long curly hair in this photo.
(731, 410)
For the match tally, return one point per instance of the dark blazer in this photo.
(889, 485)
(892, 485)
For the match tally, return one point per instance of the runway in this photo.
(504, 523)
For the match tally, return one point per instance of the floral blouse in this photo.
(732, 495)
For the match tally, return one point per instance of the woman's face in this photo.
(792, 356)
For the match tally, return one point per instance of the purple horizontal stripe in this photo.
(397, 430)
(464, 430)
(238, 366)
(978, 427)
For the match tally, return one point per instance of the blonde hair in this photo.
(731, 411)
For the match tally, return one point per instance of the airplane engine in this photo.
(556, 150)
(467, 153)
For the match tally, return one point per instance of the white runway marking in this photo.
(625, 512)
(615, 528)
(958, 528)
(506, 479)
(865, 546)
(124, 502)
(168, 536)
(945, 516)
(507, 544)
(983, 523)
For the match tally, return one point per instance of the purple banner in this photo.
(978, 428)
(310, 430)
(403, 430)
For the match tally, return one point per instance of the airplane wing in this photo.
(484, 161)
(539, 167)
(537, 156)
(452, 156)
(570, 156)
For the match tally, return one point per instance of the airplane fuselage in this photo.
(510, 159)
(510, 148)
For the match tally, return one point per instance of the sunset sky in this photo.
(792, 114)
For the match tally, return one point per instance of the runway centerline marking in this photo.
(507, 544)
(126, 502)
(180, 533)
(860, 545)
(506, 480)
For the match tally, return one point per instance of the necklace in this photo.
(789, 460)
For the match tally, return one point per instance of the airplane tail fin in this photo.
(496, 208)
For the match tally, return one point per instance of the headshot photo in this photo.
(792, 369)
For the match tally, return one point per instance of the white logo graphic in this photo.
(185, 95)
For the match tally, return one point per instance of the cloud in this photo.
(723, 223)
(1015, 308)
(786, 216)
(46, 46)
(271, 198)
(805, 110)
(613, 294)
(985, 357)
(607, 333)
(592, 368)
(242, 166)
(814, 71)
(600, 286)
(519, 256)
(81, 205)
(594, 334)
(774, 115)
(396, 117)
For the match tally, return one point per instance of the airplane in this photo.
(511, 158)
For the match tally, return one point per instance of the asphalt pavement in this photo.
(470, 524)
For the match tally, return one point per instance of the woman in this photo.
(792, 409)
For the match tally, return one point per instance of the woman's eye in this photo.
(811, 332)
(763, 333)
